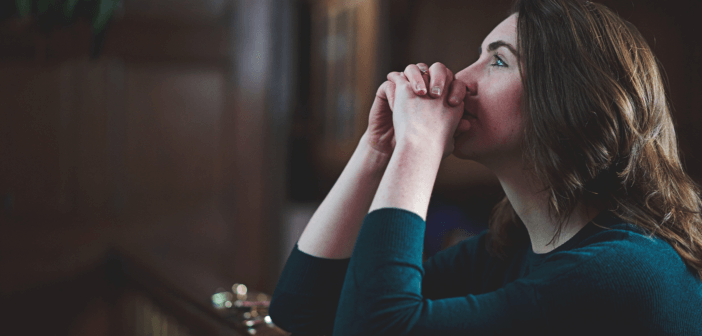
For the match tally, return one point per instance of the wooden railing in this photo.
(154, 306)
(126, 297)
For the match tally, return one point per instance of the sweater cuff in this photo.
(303, 274)
(391, 233)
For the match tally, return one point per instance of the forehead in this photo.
(505, 31)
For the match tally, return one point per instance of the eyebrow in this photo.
(499, 43)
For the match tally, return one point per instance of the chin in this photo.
(460, 155)
(469, 153)
(464, 155)
(461, 142)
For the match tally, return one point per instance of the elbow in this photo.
(296, 316)
(279, 316)
(285, 317)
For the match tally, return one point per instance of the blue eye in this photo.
(499, 62)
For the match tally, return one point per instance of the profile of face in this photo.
(494, 99)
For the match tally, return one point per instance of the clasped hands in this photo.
(422, 105)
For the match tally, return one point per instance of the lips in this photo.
(467, 115)
(465, 123)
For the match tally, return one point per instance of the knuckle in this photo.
(382, 88)
(404, 86)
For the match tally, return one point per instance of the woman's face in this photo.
(494, 99)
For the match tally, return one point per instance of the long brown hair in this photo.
(598, 128)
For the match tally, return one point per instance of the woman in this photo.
(600, 230)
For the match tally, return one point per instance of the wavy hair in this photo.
(598, 127)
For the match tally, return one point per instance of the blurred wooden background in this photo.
(205, 133)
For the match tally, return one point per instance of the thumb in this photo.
(386, 92)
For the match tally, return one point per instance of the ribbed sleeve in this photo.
(613, 281)
(383, 285)
(391, 233)
(382, 288)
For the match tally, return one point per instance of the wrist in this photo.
(409, 179)
(374, 159)
(423, 148)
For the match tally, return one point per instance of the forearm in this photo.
(333, 229)
(409, 178)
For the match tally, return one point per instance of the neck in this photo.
(531, 205)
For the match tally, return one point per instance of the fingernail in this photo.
(454, 100)
(419, 89)
(436, 90)
(422, 69)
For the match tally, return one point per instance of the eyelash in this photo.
(500, 60)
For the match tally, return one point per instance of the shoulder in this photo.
(631, 250)
(627, 265)
(624, 272)
(624, 253)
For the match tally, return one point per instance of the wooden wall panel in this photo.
(161, 148)
(31, 153)
(54, 171)
(172, 133)
(151, 149)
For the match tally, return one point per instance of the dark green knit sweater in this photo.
(614, 281)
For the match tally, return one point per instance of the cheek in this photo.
(506, 122)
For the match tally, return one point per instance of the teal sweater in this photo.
(614, 281)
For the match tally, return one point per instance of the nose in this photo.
(470, 79)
